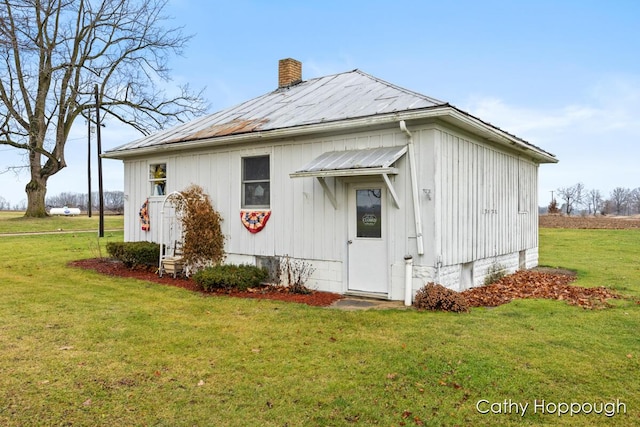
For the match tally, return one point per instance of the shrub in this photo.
(241, 277)
(553, 208)
(297, 273)
(135, 254)
(203, 244)
(436, 297)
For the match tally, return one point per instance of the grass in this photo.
(15, 222)
(601, 257)
(81, 349)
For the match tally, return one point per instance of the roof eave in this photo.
(497, 135)
(324, 127)
(445, 111)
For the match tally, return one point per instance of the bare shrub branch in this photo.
(203, 244)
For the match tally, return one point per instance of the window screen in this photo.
(256, 190)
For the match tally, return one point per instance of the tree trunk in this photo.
(53, 52)
(36, 190)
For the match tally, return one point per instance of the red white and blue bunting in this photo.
(144, 216)
(254, 221)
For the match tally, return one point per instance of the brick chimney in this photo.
(289, 72)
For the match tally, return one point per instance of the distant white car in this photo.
(64, 211)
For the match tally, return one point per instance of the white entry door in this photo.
(368, 270)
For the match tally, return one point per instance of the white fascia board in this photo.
(342, 125)
(454, 115)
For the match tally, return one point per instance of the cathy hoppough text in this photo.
(509, 407)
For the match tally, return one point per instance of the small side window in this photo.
(158, 179)
(525, 187)
(256, 177)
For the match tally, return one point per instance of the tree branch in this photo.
(54, 52)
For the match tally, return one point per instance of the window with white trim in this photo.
(256, 180)
(158, 179)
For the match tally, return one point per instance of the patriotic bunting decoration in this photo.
(144, 216)
(254, 221)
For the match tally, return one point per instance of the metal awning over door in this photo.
(368, 162)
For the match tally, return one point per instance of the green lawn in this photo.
(608, 258)
(15, 222)
(81, 349)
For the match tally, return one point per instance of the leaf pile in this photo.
(535, 284)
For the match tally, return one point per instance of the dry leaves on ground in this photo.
(535, 284)
(523, 284)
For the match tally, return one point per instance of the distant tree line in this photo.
(576, 199)
(5, 205)
(113, 202)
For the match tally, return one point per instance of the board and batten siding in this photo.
(477, 202)
(303, 223)
(487, 204)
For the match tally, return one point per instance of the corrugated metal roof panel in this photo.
(354, 159)
(324, 99)
(329, 99)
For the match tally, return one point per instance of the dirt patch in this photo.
(589, 222)
(555, 270)
(115, 268)
(538, 284)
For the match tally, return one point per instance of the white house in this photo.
(353, 174)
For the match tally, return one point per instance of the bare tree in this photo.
(114, 201)
(73, 200)
(572, 196)
(53, 55)
(620, 199)
(634, 200)
(20, 206)
(594, 201)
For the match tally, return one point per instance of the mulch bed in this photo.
(116, 268)
(544, 283)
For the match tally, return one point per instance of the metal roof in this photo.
(332, 98)
(330, 103)
(343, 162)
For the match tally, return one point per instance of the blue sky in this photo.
(563, 75)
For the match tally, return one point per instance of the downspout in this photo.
(161, 237)
(408, 280)
(414, 187)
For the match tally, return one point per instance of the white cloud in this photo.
(609, 105)
(596, 139)
(526, 120)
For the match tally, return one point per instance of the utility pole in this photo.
(100, 191)
(89, 163)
